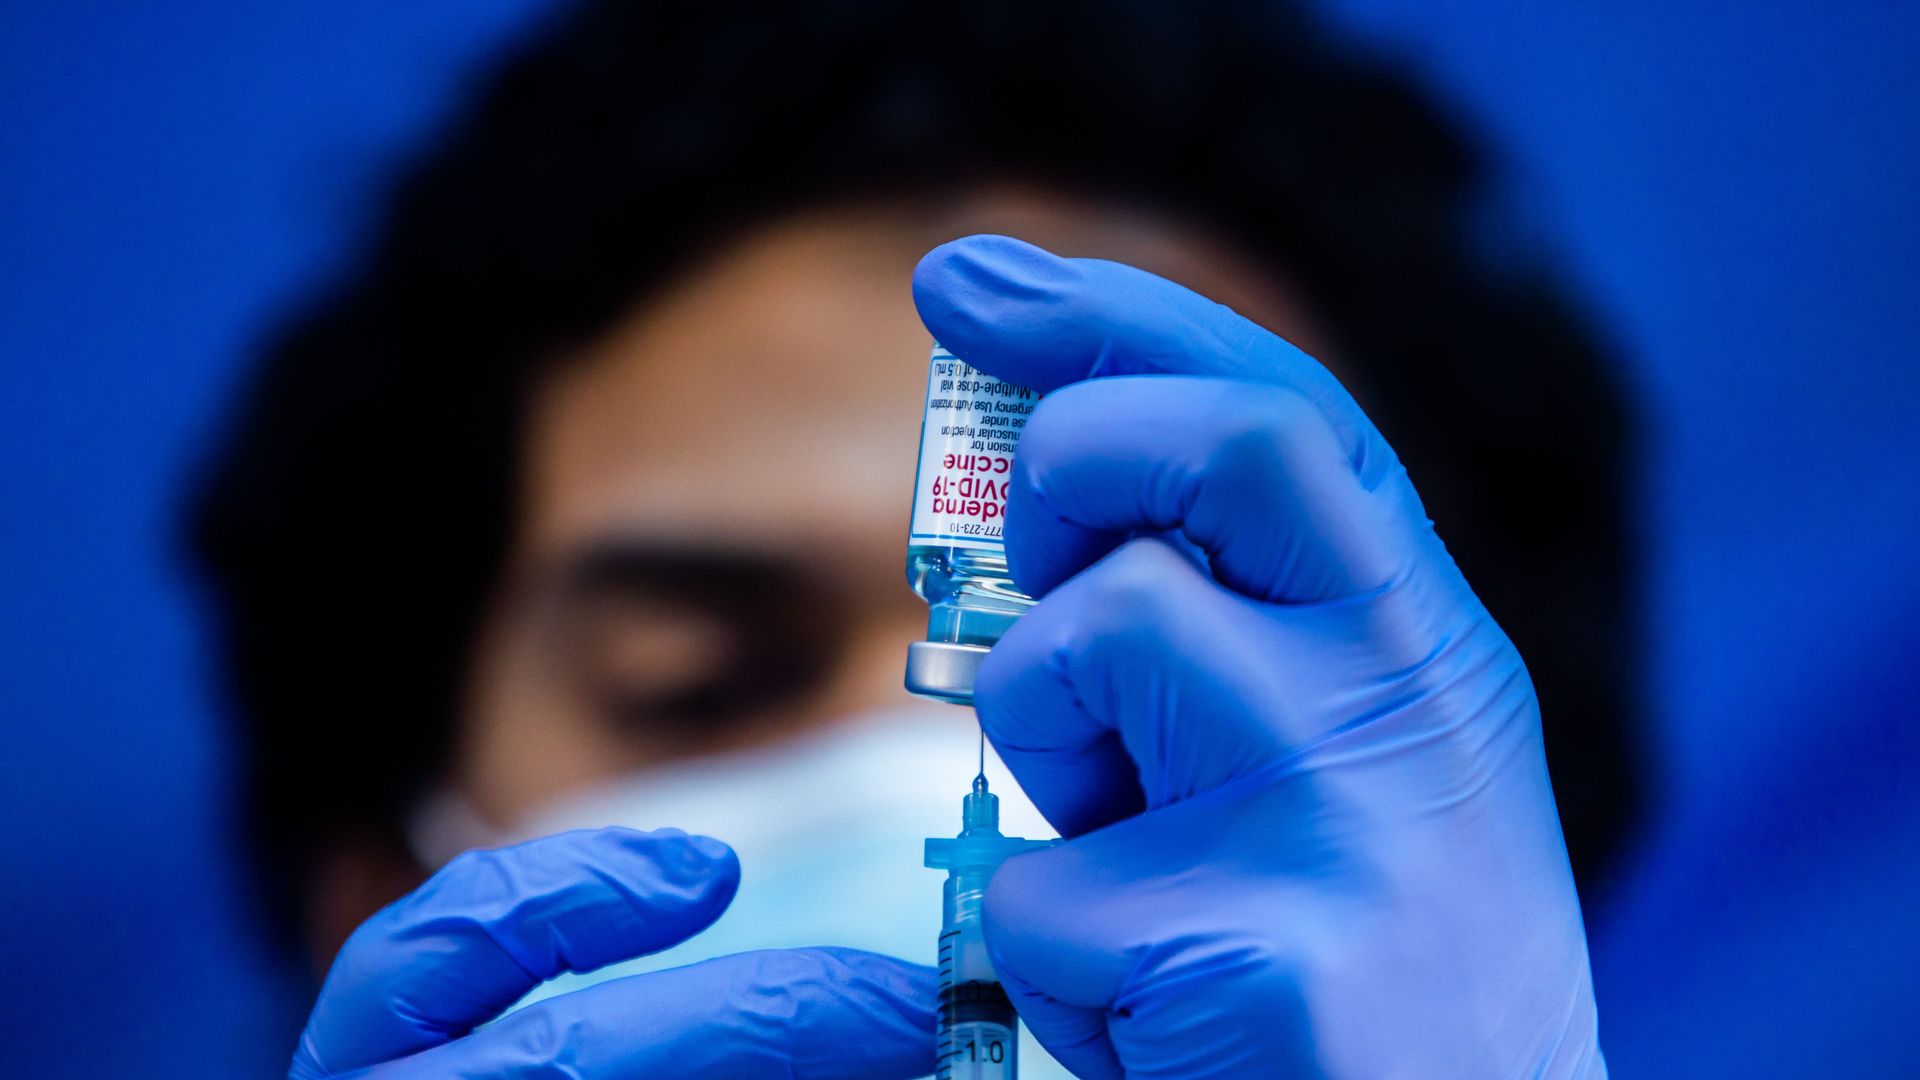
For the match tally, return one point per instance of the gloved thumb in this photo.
(1059, 984)
(1155, 946)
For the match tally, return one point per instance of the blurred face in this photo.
(712, 540)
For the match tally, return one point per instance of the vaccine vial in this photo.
(955, 558)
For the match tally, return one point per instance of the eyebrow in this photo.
(681, 570)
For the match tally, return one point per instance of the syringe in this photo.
(978, 1032)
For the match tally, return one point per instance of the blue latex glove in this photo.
(413, 982)
(1299, 766)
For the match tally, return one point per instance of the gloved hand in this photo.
(413, 982)
(1299, 766)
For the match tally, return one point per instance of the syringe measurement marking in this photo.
(996, 1052)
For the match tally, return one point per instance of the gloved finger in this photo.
(808, 1014)
(1250, 474)
(1063, 944)
(1088, 925)
(1137, 683)
(1036, 319)
(1075, 1036)
(492, 925)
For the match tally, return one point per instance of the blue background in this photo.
(1734, 188)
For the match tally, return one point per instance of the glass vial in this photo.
(955, 558)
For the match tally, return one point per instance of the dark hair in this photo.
(356, 516)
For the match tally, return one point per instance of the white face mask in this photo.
(828, 826)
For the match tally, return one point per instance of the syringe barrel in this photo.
(962, 896)
(978, 1033)
(978, 1037)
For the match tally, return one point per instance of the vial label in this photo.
(972, 423)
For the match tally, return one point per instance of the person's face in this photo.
(711, 545)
